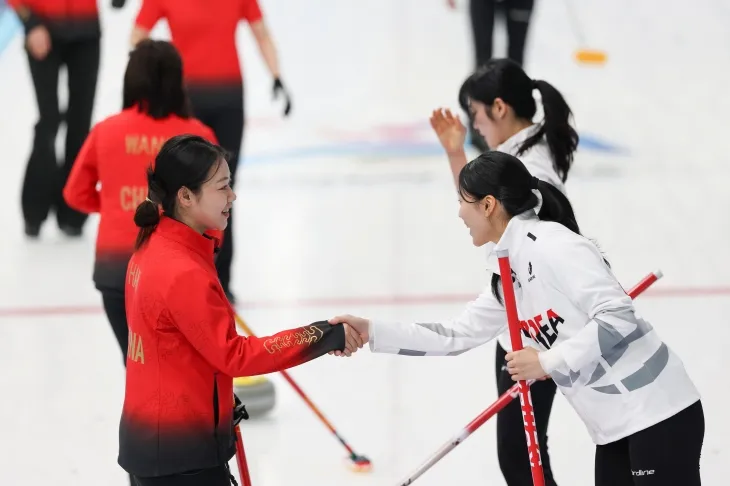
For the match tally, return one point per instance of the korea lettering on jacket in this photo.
(607, 360)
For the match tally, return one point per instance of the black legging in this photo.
(511, 442)
(222, 109)
(517, 14)
(44, 179)
(116, 313)
(664, 454)
(216, 476)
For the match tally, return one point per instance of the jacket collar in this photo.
(172, 229)
(512, 239)
(512, 144)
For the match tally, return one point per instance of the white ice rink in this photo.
(348, 206)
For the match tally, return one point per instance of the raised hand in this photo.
(449, 129)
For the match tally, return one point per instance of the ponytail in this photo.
(555, 207)
(560, 135)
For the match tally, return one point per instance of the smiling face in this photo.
(484, 218)
(210, 207)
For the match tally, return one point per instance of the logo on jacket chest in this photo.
(542, 329)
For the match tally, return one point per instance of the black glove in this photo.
(239, 411)
(118, 3)
(279, 87)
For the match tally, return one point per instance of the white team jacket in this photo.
(608, 362)
(538, 160)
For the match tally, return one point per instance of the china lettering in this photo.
(306, 336)
(132, 196)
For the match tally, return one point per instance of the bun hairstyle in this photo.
(183, 161)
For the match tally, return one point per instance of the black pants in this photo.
(667, 453)
(511, 442)
(116, 313)
(517, 14)
(218, 476)
(44, 179)
(113, 301)
(222, 109)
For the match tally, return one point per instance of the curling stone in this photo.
(257, 393)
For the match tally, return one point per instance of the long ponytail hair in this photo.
(506, 178)
(505, 79)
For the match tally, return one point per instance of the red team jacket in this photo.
(184, 352)
(116, 154)
(70, 19)
(197, 25)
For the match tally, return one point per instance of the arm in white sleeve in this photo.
(481, 321)
(577, 270)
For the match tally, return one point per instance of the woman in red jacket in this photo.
(205, 34)
(177, 419)
(116, 154)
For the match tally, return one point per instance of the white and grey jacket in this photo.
(608, 361)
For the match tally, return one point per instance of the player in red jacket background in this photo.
(177, 419)
(117, 153)
(205, 34)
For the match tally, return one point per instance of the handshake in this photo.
(356, 333)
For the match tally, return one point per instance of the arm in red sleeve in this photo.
(201, 314)
(80, 190)
(250, 11)
(150, 12)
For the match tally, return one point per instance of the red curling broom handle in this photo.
(241, 459)
(528, 415)
(501, 402)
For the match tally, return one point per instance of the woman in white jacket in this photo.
(631, 391)
(500, 98)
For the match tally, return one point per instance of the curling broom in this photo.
(357, 462)
(502, 402)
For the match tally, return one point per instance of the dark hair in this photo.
(506, 178)
(183, 161)
(505, 79)
(154, 82)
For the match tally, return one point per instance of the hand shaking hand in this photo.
(356, 333)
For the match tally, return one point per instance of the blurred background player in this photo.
(116, 154)
(58, 33)
(204, 33)
(499, 96)
(483, 14)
